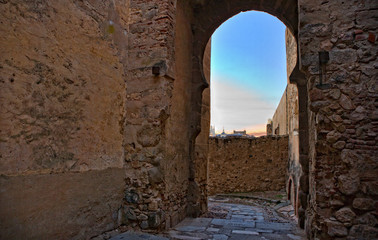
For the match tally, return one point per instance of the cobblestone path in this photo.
(231, 221)
(241, 222)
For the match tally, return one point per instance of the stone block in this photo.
(316, 95)
(368, 219)
(336, 229)
(190, 228)
(220, 237)
(274, 226)
(154, 220)
(137, 236)
(244, 232)
(149, 136)
(364, 232)
(345, 215)
(346, 102)
(132, 196)
(144, 225)
(333, 136)
(155, 175)
(343, 56)
(130, 214)
(336, 203)
(142, 217)
(372, 37)
(153, 205)
(364, 204)
(349, 183)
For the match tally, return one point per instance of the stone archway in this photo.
(207, 16)
(125, 80)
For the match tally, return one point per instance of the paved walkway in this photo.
(231, 221)
(242, 222)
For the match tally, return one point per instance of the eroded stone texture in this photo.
(242, 165)
(349, 183)
(364, 204)
(294, 166)
(345, 215)
(336, 229)
(62, 88)
(91, 85)
(280, 117)
(199, 187)
(56, 113)
(343, 142)
(156, 161)
(60, 206)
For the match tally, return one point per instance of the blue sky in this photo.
(248, 71)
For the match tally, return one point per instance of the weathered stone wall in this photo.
(198, 193)
(342, 117)
(348, 31)
(286, 121)
(56, 115)
(62, 98)
(280, 117)
(158, 113)
(241, 165)
(294, 167)
(68, 205)
(102, 102)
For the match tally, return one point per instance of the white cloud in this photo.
(235, 108)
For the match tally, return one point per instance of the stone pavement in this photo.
(242, 222)
(130, 235)
(229, 221)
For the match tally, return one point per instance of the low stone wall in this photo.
(241, 165)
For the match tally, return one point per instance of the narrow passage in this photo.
(234, 218)
(240, 219)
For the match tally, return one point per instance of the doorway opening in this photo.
(207, 17)
(249, 87)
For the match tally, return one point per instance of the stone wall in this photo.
(102, 103)
(294, 168)
(198, 192)
(241, 165)
(280, 117)
(56, 115)
(286, 122)
(62, 103)
(157, 161)
(65, 67)
(342, 117)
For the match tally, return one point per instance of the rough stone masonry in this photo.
(101, 113)
(245, 165)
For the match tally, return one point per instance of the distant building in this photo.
(212, 131)
(240, 133)
(222, 135)
(269, 128)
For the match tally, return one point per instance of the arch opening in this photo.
(248, 72)
(248, 87)
(207, 17)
